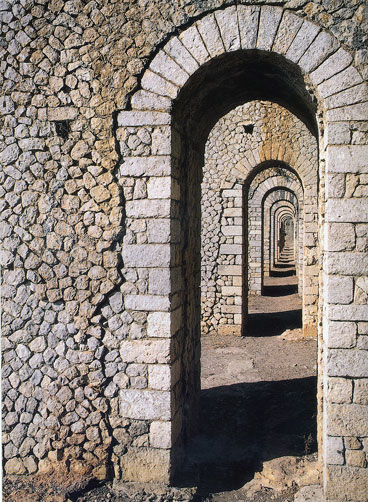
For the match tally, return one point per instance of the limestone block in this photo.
(154, 83)
(350, 481)
(146, 255)
(139, 118)
(62, 113)
(211, 36)
(159, 377)
(161, 141)
(146, 208)
(9, 154)
(320, 48)
(231, 290)
(164, 324)
(340, 335)
(227, 21)
(338, 289)
(347, 363)
(181, 55)
(141, 166)
(159, 231)
(231, 249)
(347, 420)
(232, 230)
(146, 465)
(165, 66)
(361, 391)
(145, 351)
(348, 263)
(339, 390)
(339, 237)
(347, 159)
(305, 36)
(356, 94)
(355, 458)
(248, 25)
(268, 23)
(159, 188)
(192, 40)
(337, 83)
(353, 112)
(334, 64)
(160, 435)
(334, 450)
(337, 133)
(230, 270)
(147, 303)
(145, 100)
(145, 404)
(347, 312)
(289, 26)
(160, 282)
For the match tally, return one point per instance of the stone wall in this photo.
(84, 378)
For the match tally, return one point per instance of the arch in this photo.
(268, 44)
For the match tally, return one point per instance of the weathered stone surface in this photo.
(146, 465)
(145, 404)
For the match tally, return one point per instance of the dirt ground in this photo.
(257, 437)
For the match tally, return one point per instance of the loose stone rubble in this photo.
(100, 302)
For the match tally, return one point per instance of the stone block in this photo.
(147, 208)
(147, 303)
(320, 48)
(181, 55)
(339, 390)
(146, 166)
(347, 210)
(146, 255)
(62, 113)
(340, 81)
(146, 100)
(347, 420)
(160, 282)
(347, 312)
(356, 94)
(154, 83)
(192, 40)
(231, 249)
(346, 263)
(289, 25)
(331, 66)
(305, 36)
(232, 230)
(339, 237)
(9, 154)
(347, 363)
(352, 482)
(248, 25)
(361, 391)
(143, 118)
(268, 23)
(211, 36)
(227, 21)
(356, 458)
(164, 324)
(352, 112)
(230, 270)
(145, 404)
(159, 188)
(231, 291)
(159, 377)
(334, 450)
(160, 435)
(146, 465)
(165, 66)
(162, 141)
(337, 133)
(338, 289)
(340, 334)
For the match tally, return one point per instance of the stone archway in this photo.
(198, 63)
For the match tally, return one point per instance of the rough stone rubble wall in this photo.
(66, 67)
(231, 155)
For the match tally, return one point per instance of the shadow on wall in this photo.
(242, 425)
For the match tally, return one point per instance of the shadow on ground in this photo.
(273, 323)
(244, 424)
